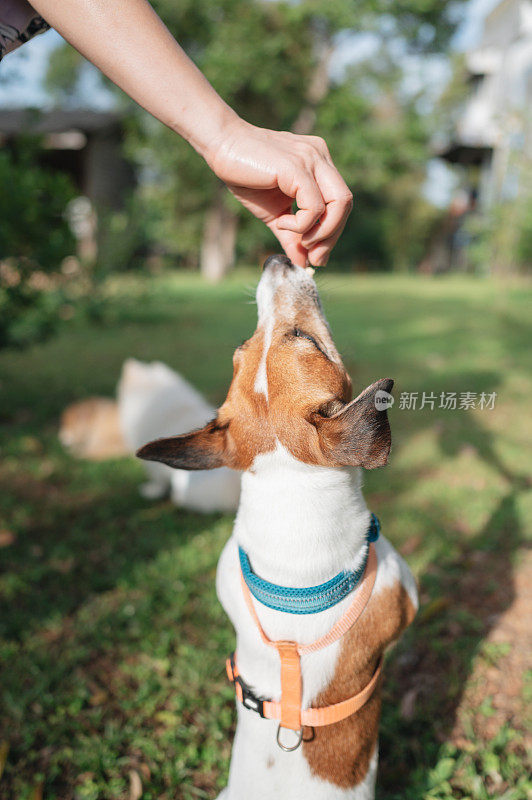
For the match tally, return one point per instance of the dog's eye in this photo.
(301, 335)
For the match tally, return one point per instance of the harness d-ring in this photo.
(285, 747)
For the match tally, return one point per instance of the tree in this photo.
(271, 62)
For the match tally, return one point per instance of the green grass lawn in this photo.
(112, 643)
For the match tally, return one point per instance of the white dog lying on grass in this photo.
(153, 401)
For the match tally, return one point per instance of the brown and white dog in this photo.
(290, 425)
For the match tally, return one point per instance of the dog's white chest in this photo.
(258, 767)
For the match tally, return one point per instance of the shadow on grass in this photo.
(76, 544)
(113, 639)
(108, 632)
(468, 586)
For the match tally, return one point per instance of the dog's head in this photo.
(290, 387)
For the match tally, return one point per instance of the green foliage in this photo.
(63, 72)
(32, 208)
(523, 249)
(379, 141)
(501, 238)
(262, 57)
(123, 238)
(112, 641)
(34, 239)
(485, 770)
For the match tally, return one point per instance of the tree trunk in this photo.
(217, 255)
(318, 87)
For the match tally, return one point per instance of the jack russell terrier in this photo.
(313, 591)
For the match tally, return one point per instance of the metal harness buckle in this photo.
(249, 698)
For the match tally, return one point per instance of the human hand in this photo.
(267, 170)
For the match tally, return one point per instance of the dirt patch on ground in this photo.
(500, 669)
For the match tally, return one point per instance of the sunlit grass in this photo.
(112, 641)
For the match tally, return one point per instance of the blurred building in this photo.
(492, 133)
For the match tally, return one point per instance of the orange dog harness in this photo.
(288, 711)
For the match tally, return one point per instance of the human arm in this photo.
(266, 170)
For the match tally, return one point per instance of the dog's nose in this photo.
(277, 262)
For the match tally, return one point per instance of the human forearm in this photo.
(130, 44)
(266, 170)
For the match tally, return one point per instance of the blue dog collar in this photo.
(310, 599)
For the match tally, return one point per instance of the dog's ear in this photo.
(202, 449)
(359, 434)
